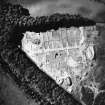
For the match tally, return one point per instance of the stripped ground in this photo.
(65, 55)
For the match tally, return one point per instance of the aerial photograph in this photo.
(52, 52)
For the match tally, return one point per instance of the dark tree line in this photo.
(99, 1)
